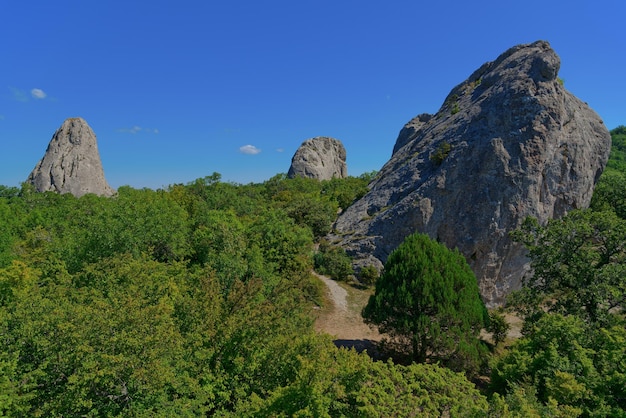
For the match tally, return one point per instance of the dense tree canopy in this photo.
(610, 193)
(569, 363)
(579, 265)
(150, 302)
(191, 301)
(617, 159)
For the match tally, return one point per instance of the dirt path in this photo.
(341, 317)
(338, 295)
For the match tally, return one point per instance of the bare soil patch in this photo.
(341, 316)
(516, 324)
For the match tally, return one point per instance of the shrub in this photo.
(498, 327)
(368, 275)
(441, 153)
(455, 108)
(332, 261)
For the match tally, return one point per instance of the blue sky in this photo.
(177, 90)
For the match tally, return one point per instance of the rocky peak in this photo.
(71, 163)
(320, 158)
(507, 143)
(410, 130)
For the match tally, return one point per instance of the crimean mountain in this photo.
(507, 143)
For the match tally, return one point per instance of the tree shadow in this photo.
(383, 350)
(364, 345)
(358, 285)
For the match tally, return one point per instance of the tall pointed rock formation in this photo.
(71, 163)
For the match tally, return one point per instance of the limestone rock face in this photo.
(71, 163)
(320, 158)
(507, 143)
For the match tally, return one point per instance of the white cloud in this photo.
(132, 130)
(38, 93)
(280, 150)
(249, 149)
(136, 129)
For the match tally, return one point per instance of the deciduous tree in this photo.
(570, 363)
(579, 264)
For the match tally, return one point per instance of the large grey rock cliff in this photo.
(71, 163)
(509, 142)
(320, 158)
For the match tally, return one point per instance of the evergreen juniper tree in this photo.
(428, 297)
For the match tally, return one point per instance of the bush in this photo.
(442, 152)
(332, 261)
(368, 275)
(498, 327)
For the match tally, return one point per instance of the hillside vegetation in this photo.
(190, 301)
(197, 300)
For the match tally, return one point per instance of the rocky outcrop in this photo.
(320, 158)
(71, 163)
(409, 130)
(507, 143)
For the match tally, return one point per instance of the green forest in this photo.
(198, 300)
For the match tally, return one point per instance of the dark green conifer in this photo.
(428, 297)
